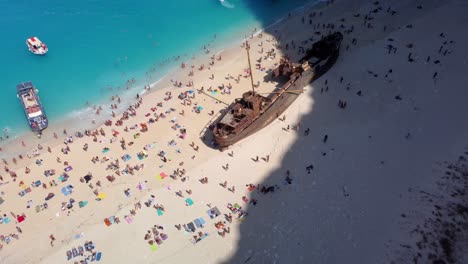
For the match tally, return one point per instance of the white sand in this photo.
(346, 210)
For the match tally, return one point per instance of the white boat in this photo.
(36, 46)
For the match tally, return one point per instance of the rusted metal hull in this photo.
(278, 107)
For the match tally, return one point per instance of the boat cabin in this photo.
(243, 112)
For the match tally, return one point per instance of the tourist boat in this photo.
(36, 46)
(247, 115)
(32, 106)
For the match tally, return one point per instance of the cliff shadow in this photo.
(321, 205)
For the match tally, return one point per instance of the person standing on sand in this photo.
(52, 239)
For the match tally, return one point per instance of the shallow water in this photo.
(96, 46)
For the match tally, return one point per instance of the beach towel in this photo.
(160, 212)
(197, 222)
(74, 252)
(65, 191)
(82, 203)
(49, 196)
(28, 190)
(150, 146)
(98, 256)
(200, 108)
(202, 221)
(191, 227)
(107, 222)
(105, 150)
(102, 195)
(6, 220)
(126, 157)
(213, 212)
(162, 175)
(199, 239)
(69, 168)
(22, 193)
(189, 202)
(154, 247)
(37, 183)
(128, 219)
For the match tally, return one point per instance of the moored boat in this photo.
(36, 46)
(32, 107)
(247, 115)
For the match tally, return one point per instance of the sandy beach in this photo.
(327, 184)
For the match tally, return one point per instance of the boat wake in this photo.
(226, 4)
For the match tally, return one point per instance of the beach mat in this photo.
(198, 223)
(162, 175)
(191, 226)
(189, 201)
(160, 212)
(202, 221)
(213, 212)
(154, 247)
(98, 256)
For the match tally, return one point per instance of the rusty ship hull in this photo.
(288, 95)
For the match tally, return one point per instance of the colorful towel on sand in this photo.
(126, 157)
(160, 212)
(128, 219)
(213, 212)
(189, 202)
(154, 247)
(197, 222)
(105, 150)
(162, 175)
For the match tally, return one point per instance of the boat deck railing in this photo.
(207, 126)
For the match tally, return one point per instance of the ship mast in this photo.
(247, 48)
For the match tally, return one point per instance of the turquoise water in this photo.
(98, 45)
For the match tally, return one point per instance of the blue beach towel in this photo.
(98, 256)
(202, 221)
(197, 222)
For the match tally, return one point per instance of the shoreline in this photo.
(68, 121)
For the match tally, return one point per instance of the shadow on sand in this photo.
(331, 212)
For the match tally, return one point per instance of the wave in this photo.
(226, 4)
